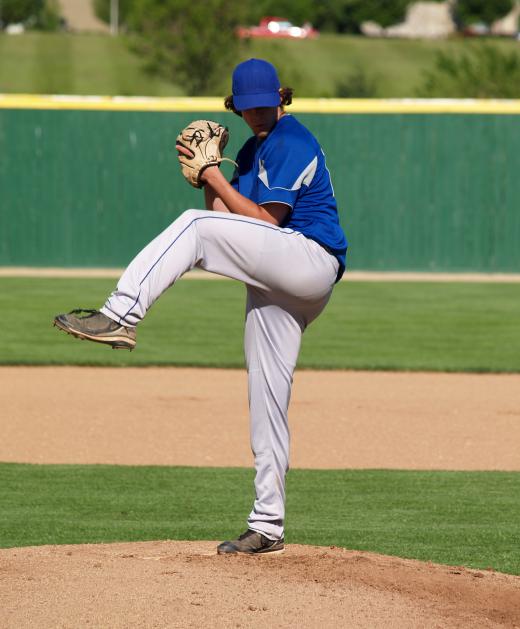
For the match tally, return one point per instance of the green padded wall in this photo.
(416, 192)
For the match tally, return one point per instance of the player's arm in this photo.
(219, 195)
(214, 202)
(222, 192)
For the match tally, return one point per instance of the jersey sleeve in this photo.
(234, 181)
(284, 170)
(235, 177)
(244, 160)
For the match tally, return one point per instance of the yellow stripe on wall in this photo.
(110, 103)
(302, 105)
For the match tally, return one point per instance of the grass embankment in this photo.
(457, 518)
(367, 325)
(51, 63)
(57, 63)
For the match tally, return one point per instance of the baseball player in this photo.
(275, 228)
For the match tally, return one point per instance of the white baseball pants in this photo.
(289, 280)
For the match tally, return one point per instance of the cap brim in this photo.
(250, 101)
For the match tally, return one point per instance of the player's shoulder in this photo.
(245, 155)
(249, 146)
(292, 126)
(291, 135)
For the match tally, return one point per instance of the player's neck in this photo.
(263, 135)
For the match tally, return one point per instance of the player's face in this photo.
(261, 119)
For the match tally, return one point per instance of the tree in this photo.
(14, 11)
(342, 16)
(190, 42)
(346, 16)
(472, 11)
(296, 12)
(38, 14)
(484, 72)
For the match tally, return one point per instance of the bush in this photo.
(358, 84)
(484, 72)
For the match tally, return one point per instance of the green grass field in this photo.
(57, 63)
(458, 518)
(51, 63)
(367, 325)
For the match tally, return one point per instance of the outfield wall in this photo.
(421, 186)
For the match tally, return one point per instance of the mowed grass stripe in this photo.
(94, 64)
(440, 327)
(367, 325)
(54, 65)
(57, 63)
(105, 65)
(457, 518)
(90, 58)
(17, 64)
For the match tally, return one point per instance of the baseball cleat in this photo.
(251, 543)
(95, 326)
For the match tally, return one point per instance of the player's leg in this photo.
(214, 241)
(254, 252)
(219, 242)
(272, 343)
(273, 331)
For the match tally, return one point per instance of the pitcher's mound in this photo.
(185, 584)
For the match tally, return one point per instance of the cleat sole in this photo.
(114, 342)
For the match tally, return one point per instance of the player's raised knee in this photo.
(191, 215)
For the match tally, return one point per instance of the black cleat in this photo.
(251, 543)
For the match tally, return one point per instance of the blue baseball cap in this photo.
(255, 84)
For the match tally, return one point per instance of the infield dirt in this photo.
(199, 417)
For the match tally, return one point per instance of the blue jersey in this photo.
(289, 167)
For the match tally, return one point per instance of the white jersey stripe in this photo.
(304, 178)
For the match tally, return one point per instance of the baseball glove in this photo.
(206, 141)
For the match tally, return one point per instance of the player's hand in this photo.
(206, 174)
(200, 146)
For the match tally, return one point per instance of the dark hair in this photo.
(285, 96)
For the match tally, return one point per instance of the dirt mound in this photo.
(185, 584)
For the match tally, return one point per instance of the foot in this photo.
(251, 543)
(95, 326)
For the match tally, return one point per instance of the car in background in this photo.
(277, 27)
(476, 29)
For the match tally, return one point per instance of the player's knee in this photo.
(190, 215)
(187, 218)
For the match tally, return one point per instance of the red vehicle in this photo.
(277, 27)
